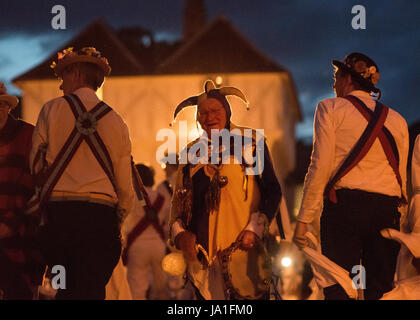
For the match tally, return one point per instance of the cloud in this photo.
(301, 35)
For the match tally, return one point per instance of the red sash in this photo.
(375, 129)
(142, 225)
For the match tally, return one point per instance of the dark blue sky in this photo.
(300, 35)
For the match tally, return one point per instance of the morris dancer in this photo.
(146, 243)
(219, 205)
(19, 272)
(408, 266)
(357, 177)
(82, 154)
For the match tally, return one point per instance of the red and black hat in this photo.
(362, 68)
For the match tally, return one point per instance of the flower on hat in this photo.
(375, 78)
(89, 51)
(369, 73)
(61, 55)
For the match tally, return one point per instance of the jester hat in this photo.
(210, 91)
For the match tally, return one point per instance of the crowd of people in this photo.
(71, 196)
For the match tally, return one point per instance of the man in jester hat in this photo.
(218, 203)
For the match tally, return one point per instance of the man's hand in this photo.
(299, 237)
(5, 231)
(186, 242)
(248, 240)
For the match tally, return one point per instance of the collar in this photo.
(360, 93)
(86, 94)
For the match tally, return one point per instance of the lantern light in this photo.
(286, 262)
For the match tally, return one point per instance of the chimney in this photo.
(194, 18)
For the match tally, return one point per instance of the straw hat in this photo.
(86, 54)
(12, 101)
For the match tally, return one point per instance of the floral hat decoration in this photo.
(11, 100)
(363, 68)
(86, 54)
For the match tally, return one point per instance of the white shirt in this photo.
(166, 209)
(410, 231)
(150, 233)
(83, 173)
(338, 125)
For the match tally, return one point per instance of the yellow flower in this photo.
(375, 78)
(372, 69)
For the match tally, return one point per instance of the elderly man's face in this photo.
(211, 115)
(4, 112)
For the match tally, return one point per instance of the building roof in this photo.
(218, 48)
(99, 35)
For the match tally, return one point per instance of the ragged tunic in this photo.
(240, 198)
(234, 211)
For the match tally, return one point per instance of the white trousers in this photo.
(144, 269)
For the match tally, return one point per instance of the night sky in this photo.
(302, 36)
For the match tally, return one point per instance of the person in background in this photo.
(146, 244)
(178, 288)
(20, 268)
(166, 189)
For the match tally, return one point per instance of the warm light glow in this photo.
(100, 92)
(174, 264)
(219, 80)
(286, 262)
